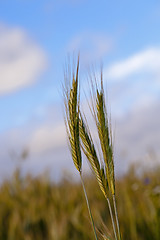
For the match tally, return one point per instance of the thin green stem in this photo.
(116, 215)
(113, 223)
(89, 209)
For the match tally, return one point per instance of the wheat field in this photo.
(35, 208)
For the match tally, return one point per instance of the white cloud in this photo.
(134, 82)
(91, 45)
(47, 149)
(136, 135)
(48, 138)
(21, 60)
(147, 61)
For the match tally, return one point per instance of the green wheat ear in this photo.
(72, 120)
(90, 152)
(105, 137)
(71, 101)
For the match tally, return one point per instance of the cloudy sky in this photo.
(35, 39)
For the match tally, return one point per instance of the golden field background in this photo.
(36, 208)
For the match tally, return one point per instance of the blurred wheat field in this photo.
(34, 208)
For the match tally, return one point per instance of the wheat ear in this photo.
(105, 136)
(90, 152)
(99, 112)
(71, 101)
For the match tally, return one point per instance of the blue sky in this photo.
(36, 38)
